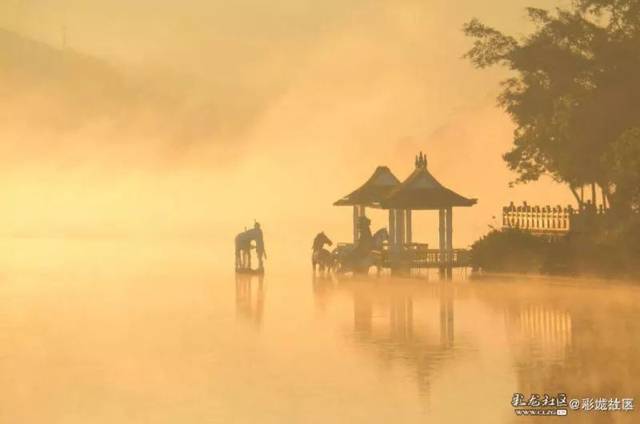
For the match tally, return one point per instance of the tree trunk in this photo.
(575, 194)
(605, 197)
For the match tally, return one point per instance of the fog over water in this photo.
(161, 332)
(138, 137)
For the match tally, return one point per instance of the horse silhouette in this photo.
(244, 242)
(321, 258)
(359, 258)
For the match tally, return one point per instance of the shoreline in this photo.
(551, 278)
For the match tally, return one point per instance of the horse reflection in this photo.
(323, 286)
(250, 297)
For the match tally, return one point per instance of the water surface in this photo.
(131, 332)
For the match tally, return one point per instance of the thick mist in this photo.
(190, 119)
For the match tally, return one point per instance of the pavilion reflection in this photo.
(411, 325)
(250, 297)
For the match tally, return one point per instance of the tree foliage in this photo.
(574, 95)
(623, 162)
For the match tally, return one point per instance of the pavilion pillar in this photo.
(400, 227)
(408, 227)
(449, 237)
(355, 223)
(392, 227)
(441, 238)
(358, 211)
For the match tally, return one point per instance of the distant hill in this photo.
(62, 87)
(37, 59)
(53, 98)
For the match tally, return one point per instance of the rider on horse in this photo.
(364, 244)
(260, 250)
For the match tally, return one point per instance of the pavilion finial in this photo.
(421, 161)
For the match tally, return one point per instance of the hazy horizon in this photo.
(197, 117)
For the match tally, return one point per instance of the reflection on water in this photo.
(446, 316)
(539, 327)
(387, 321)
(579, 339)
(554, 338)
(323, 286)
(250, 297)
(100, 333)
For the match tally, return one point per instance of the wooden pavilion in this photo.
(420, 191)
(370, 194)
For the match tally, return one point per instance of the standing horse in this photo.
(320, 256)
(243, 246)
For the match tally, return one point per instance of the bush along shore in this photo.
(611, 249)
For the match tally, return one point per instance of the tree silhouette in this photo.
(574, 95)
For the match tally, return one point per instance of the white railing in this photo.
(547, 219)
(537, 218)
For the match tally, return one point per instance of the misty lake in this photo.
(133, 332)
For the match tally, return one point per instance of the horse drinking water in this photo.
(243, 245)
(321, 257)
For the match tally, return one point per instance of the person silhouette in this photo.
(260, 250)
(363, 245)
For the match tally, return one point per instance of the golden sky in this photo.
(231, 111)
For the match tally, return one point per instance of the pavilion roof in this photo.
(421, 191)
(372, 192)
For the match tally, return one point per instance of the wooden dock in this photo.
(431, 258)
(419, 256)
(249, 271)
